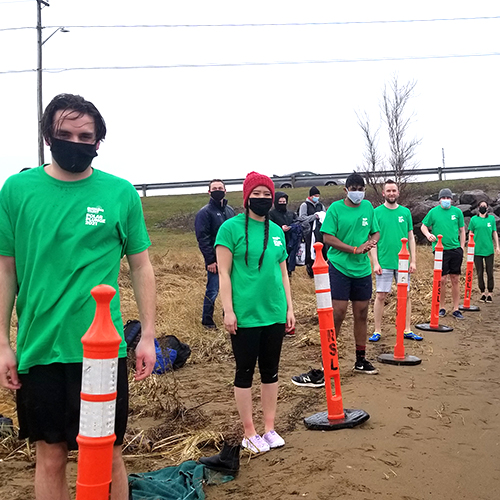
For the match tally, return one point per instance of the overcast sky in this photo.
(194, 123)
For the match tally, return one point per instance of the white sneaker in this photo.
(273, 439)
(255, 444)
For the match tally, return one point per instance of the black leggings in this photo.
(262, 343)
(478, 261)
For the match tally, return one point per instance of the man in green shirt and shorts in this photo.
(64, 228)
(351, 230)
(394, 222)
(449, 222)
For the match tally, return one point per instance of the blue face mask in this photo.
(356, 196)
(315, 199)
(446, 203)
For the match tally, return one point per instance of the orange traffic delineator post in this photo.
(434, 325)
(337, 417)
(399, 357)
(468, 276)
(98, 401)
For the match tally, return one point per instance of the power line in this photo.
(252, 25)
(257, 63)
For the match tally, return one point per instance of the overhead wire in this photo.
(259, 63)
(252, 25)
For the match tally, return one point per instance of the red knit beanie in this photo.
(252, 180)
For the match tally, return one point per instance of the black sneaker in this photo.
(442, 313)
(489, 300)
(313, 378)
(458, 315)
(364, 366)
(483, 298)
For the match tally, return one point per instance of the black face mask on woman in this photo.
(483, 210)
(260, 206)
(73, 157)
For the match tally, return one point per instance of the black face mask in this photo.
(483, 210)
(281, 207)
(217, 195)
(73, 157)
(260, 206)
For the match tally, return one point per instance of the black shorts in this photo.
(261, 343)
(452, 261)
(48, 403)
(345, 288)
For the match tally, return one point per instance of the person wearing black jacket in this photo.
(207, 223)
(286, 220)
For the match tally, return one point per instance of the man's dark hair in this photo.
(76, 103)
(390, 181)
(216, 180)
(354, 179)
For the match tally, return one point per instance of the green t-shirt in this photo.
(447, 222)
(352, 226)
(66, 238)
(258, 296)
(394, 224)
(483, 228)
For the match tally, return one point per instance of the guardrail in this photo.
(342, 176)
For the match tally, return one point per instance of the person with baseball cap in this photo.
(257, 303)
(448, 221)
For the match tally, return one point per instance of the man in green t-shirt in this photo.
(351, 231)
(448, 221)
(394, 222)
(64, 228)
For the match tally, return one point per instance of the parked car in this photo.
(302, 179)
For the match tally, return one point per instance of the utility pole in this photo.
(39, 94)
(441, 170)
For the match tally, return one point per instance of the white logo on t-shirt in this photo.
(453, 217)
(365, 221)
(489, 224)
(94, 217)
(401, 219)
(277, 241)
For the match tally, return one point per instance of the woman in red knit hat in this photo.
(255, 293)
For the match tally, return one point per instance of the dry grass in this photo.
(179, 431)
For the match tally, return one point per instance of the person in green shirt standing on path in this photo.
(395, 222)
(483, 226)
(448, 221)
(351, 230)
(257, 302)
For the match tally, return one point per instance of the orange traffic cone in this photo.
(468, 276)
(98, 401)
(434, 325)
(337, 417)
(399, 357)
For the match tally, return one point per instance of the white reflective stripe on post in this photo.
(438, 256)
(470, 257)
(438, 265)
(404, 265)
(402, 277)
(322, 281)
(323, 300)
(99, 376)
(97, 419)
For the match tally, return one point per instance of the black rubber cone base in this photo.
(470, 308)
(440, 328)
(407, 360)
(320, 422)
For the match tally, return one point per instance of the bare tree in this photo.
(373, 160)
(401, 158)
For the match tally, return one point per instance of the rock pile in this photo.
(467, 202)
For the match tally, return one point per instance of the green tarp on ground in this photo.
(183, 482)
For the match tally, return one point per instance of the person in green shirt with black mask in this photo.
(484, 228)
(448, 221)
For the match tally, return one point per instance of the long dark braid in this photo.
(266, 237)
(246, 236)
